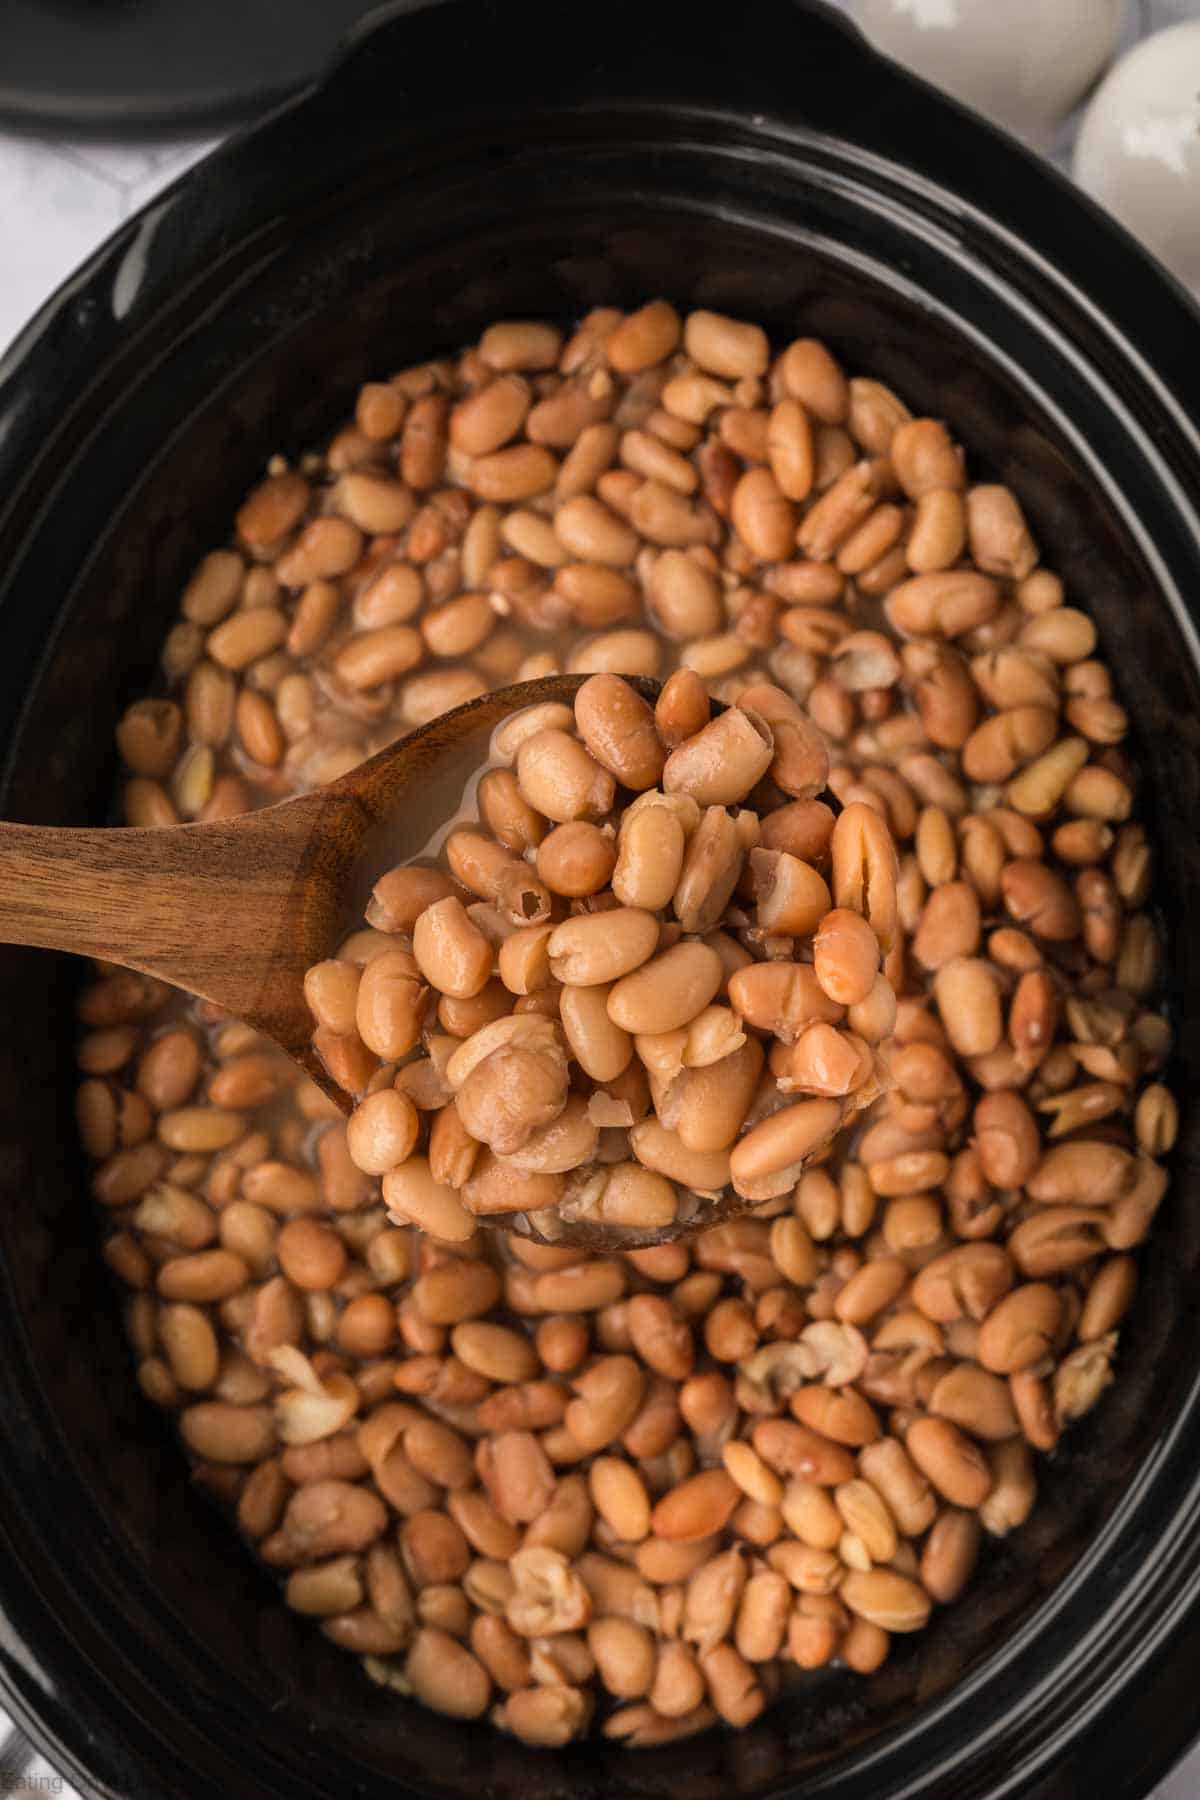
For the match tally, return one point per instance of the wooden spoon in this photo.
(236, 910)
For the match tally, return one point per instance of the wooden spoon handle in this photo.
(89, 891)
(199, 905)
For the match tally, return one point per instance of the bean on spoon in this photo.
(618, 990)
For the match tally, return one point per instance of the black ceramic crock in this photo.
(465, 163)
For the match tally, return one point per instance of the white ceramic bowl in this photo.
(1138, 150)
(1024, 64)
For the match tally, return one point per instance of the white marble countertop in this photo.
(59, 199)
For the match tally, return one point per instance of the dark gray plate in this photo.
(125, 67)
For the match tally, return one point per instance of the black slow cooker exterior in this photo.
(468, 162)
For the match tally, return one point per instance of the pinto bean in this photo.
(617, 727)
(952, 1463)
(644, 337)
(596, 948)
(722, 763)
(724, 346)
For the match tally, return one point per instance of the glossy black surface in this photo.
(122, 67)
(779, 171)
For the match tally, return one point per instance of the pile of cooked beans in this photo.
(652, 1488)
(590, 1060)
